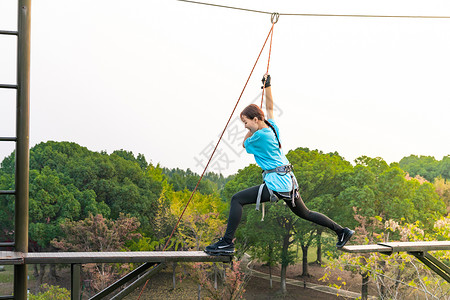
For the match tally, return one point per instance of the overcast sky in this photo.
(161, 77)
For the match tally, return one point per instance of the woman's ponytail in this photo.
(274, 131)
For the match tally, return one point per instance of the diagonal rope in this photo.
(214, 151)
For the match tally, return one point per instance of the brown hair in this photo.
(253, 111)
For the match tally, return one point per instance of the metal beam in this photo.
(430, 261)
(8, 32)
(8, 86)
(10, 192)
(75, 283)
(22, 145)
(6, 244)
(125, 292)
(130, 276)
(120, 257)
(8, 139)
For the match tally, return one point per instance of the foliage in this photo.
(426, 166)
(442, 187)
(232, 280)
(51, 293)
(320, 177)
(396, 276)
(203, 218)
(180, 180)
(378, 189)
(97, 234)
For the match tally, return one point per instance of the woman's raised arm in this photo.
(269, 99)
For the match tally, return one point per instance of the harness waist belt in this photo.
(286, 169)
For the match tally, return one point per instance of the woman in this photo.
(262, 140)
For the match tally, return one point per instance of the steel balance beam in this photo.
(18, 258)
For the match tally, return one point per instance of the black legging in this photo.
(249, 195)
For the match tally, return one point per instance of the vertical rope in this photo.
(268, 62)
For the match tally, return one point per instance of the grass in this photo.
(7, 279)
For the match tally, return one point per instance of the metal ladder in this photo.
(21, 139)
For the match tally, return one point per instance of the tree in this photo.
(202, 220)
(442, 187)
(98, 234)
(320, 179)
(50, 292)
(261, 239)
(426, 166)
(399, 275)
(377, 189)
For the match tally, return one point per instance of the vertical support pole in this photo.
(22, 145)
(174, 279)
(215, 276)
(75, 281)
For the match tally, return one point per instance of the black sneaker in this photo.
(344, 236)
(220, 248)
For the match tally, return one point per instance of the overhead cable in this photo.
(317, 15)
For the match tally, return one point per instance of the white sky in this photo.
(162, 77)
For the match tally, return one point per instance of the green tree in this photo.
(377, 189)
(202, 220)
(442, 187)
(50, 292)
(98, 234)
(320, 178)
(426, 166)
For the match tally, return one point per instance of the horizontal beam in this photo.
(399, 247)
(11, 297)
(11, 258)
(8, 86)
(366, 249)
(8, 139)
(9, 192)
(110, 257)
(9, 32)
(6, 244)
(418, 246)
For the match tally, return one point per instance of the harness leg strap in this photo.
(258, 198)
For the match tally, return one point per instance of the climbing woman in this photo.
(262, 140)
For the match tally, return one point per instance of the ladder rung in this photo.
(8, 139)
(8, 86)
(9, 192)
(7, 244)
(7, 297)
(9, 32)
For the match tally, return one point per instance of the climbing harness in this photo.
(293, 194)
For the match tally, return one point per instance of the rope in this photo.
(274, 19)
(318, 15)
(214, 151)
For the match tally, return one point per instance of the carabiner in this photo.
(274, 17)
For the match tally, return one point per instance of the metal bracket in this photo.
(130, 276)
(434, 264)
